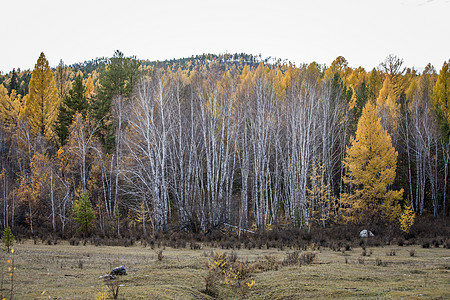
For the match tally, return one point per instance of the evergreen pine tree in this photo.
(83, 212)
(7, 239)
(441, 99)
(13, 84)
(72, 103)
(118, 78)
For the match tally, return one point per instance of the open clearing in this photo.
(72, 272)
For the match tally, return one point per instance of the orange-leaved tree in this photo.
(371, 163)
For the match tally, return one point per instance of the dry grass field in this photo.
(63, 271)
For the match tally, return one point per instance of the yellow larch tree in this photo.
(386, 95)
(354, 81)
(399, 76)
(371, 161)
(89, 87)
(407, 218)
(10, 107)
(441, 92)
(339, 65)
(42, 102)
(388, 107)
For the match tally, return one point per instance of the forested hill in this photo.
(118, 144)
(190, 63)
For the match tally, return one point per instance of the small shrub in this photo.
(102, 294)
(160, 255)
(446, 244)
(232, 258)
(233, 274)
(380, 263)
(211, 281)
(361, 260)
(74, 242)
(113, 286)
(391, 253)
(195, 246)
(436, 243)
(268, 263)
(412, 252)
(291, 259)
(426, 245)
(307, 258)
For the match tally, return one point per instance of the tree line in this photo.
(195, 145)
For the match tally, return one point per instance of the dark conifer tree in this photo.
(13, 84)
(74, 102)
(118, 78)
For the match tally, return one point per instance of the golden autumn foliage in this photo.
(371, 161)
(441, 91)
(40, 173)
(42, 102)
(386, 97)
(28, 197)
(89, 87)
(407, 219)
(388, 107)
(339, 65)
(353, 81)
(10, 107)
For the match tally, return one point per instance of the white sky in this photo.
(363, 31)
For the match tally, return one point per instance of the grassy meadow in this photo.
(64, 271)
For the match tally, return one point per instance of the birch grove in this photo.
(247, 145)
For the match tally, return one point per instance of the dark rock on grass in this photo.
(118, 271)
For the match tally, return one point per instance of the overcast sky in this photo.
(363, 31)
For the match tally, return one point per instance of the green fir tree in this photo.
(7, 239)
(74, 102)
(13, 84)
(118, 78)
(83, 212)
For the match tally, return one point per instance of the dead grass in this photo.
(54, 271)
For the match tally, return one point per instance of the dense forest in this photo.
(195, 143)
